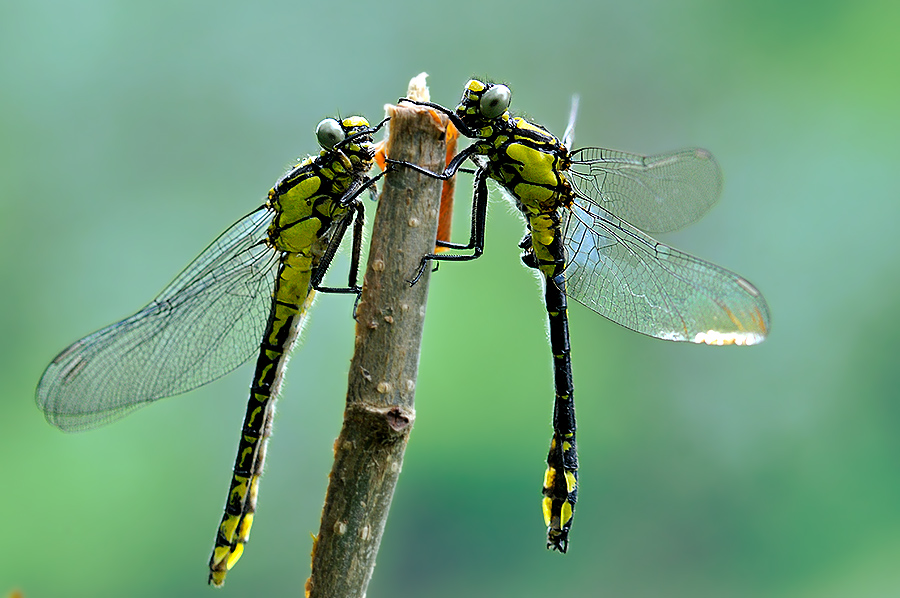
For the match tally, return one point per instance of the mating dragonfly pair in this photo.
(250, 290)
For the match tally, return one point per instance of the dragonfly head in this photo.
(351, 135)
(482, 105)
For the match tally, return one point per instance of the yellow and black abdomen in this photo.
(306, 204)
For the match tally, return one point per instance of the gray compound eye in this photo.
(329, 133)
(495, 101)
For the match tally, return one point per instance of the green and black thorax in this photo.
(319, 190)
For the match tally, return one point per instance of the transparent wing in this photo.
(622, 273)
(205, 323)
(655, 193)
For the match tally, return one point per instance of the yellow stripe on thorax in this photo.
(530, 167)
(298, 225)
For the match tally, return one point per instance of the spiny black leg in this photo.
(357, 214)
(319, 272)
(459, 124)
(350, 196)
(356, 247)
(448, 172)
(476, 234)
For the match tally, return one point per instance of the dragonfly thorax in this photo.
(308, 199)
(531, 165)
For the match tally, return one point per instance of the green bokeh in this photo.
(132, 133)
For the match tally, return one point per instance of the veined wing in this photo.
(654, 193)
(622, 273)
(205, 323)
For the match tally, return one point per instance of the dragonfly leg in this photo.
(457, 122)
(449, 172)
(476, 232)
(357, 215)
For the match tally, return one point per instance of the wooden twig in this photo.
(383, 371)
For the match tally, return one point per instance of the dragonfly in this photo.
(247, 292)
(588, 213)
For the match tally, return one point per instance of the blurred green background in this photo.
(133, 133)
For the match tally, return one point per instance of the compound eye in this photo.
(495, 101)
(329, 133)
